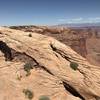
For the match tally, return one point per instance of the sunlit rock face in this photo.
(43, 66)
(85, 40)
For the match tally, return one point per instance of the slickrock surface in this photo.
(84, 40)
(51, 74)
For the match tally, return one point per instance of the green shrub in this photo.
(28, 93)
(27, 68)
(44, 98)
(30, 35)
(74, 65)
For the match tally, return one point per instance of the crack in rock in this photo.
(73, 91)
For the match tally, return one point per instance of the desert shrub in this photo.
(28, 93)
(30, 35)
(27, 68)
(44, 98)
(74, 65)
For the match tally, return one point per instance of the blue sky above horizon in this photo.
(48, 12)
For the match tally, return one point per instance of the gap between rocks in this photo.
(73, 91)
(12, 55)
(68, 87)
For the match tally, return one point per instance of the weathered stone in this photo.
(51, 74)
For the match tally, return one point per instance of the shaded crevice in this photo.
(73, 91)
(54, 49)
(59, 51)
(68, 58)
(38, 65)
(97, 98)
(0, 33)
(6, 50)
(23, 57)
(69, 88)
(44, 68)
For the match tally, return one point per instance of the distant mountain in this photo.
(79, 25)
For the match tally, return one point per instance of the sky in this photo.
(48, 12)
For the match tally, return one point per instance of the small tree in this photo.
(28, 94)
(27, 68)
(30, 35)
(44, 98)
(74, 65)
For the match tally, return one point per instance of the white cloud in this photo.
(96, 19)
(81, 20)
(62, 20)
(77, 19)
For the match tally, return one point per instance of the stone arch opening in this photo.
(6, 50)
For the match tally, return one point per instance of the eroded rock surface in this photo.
(84, 40)
(51, 74)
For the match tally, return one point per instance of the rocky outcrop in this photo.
(72, 38)
(42, 66)
(85, 41)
